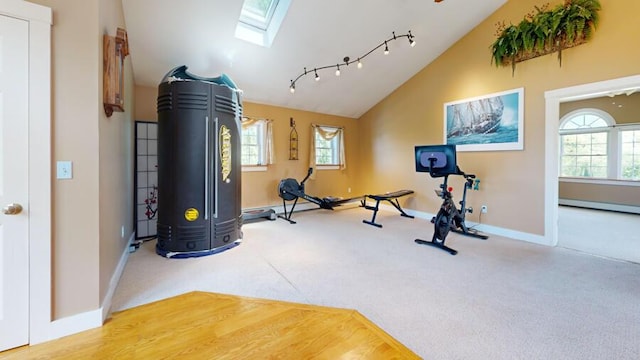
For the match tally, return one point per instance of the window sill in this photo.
(599, 181)
(254, 168)
(328, 167)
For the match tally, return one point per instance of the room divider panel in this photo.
(146, 179)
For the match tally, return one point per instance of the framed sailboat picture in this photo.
(486, 123)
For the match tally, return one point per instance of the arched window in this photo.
(585, 144)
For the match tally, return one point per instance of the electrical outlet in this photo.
(483, 209)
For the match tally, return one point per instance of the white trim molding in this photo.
(600, 206)
(512, 234)
(40, 20)
(553, 98)
(115, 278)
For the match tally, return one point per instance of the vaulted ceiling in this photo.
(164, 34)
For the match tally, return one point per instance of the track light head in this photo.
(337, 70)
(292, 88)
(386, 48)
(317, 77)
(359, 64)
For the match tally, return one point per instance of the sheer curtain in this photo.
(327, 133)
(247, 122)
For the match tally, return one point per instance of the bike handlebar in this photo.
(466, 176)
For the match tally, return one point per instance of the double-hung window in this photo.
(584, 144)
(256, 140)
(328, 147)
(630, 153)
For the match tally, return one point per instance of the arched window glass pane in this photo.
(584, 137)
(584, 120)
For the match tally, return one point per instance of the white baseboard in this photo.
(600, 206)
(279, 209)
(89, 319)
(115, 278)
(74, 324)
(512, 234)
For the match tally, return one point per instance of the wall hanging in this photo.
(115, 50)
(293, 140)
(486, 123)
(545, 31)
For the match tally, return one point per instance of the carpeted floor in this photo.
(496, 299)
(604, 233)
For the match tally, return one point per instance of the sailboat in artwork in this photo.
(476, 117)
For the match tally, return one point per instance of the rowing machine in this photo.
(290, 190)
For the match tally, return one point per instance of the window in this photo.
(327, 151)
(584, 144)
(592, 145)
(584, 155)
(328, 147)
(630, 154)
(256, 142)
(260, 20)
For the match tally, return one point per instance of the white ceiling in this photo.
(164, 34)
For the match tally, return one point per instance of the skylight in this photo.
(260, 20)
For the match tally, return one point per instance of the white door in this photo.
(14, 193)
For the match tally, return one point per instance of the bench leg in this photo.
(396, 204)
(375, 213)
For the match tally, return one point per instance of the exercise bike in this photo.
(449, 218)
(290, 190)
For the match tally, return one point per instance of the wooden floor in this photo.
(201, 325)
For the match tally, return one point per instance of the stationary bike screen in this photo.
(436, 159)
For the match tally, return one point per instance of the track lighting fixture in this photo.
(346, 59)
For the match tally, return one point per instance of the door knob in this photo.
(12, 209)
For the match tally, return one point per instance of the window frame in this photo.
(614, 143)
(335, 148)
(620, 129)
(261, 144)
(261, 31)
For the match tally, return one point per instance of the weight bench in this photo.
(392, 198)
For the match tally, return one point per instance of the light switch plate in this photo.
(64, 170)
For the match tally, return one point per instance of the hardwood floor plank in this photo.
(200, 325)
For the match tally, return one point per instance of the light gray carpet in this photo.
(605, 233)
(496, 299)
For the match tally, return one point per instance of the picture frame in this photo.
(492, 122)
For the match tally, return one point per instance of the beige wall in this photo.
(600, 193)
(116, 159)
(89, 209)
(259, 188)
(512, 182)
(627, 114)
(145, 107)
